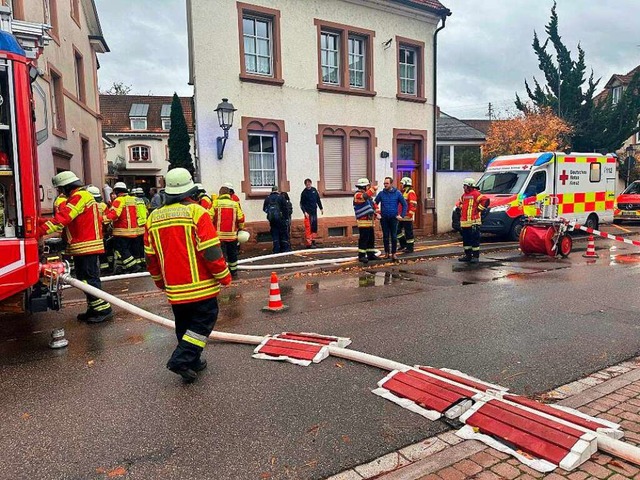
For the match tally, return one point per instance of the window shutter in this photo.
(332, 148)
(358, 154)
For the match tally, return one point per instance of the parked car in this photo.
(627, 205)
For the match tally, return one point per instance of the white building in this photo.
(330, 90)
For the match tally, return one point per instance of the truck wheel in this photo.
(592, 221)
(564, 246)
(516, 228)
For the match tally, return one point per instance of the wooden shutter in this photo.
(332, 150)
(358, 154)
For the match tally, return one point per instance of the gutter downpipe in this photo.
(435, 109)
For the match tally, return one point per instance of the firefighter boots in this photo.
(100, 317)
(199, 365)
(363, 259)
(187, 374)
(464, 258)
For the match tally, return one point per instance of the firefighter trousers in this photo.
(230, 252)
(405, 235)
(123, 250)
(194, 323)
(471, 241)
(87, 270)
(366, 243)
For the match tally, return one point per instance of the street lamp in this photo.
(629, 163)
(225, 119)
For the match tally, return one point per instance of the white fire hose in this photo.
(609, 445)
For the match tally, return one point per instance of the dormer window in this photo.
(138, 116)
(616, 94)
(165, 114)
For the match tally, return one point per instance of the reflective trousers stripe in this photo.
(195, 338)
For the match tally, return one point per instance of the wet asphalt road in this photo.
(107, 406)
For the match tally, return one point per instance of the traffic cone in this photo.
(591, 249)
(275, 300)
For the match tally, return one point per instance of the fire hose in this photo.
(606, 444)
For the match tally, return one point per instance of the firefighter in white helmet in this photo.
(123, 214)
(405, 226)
(365, 211)
(472, 204)
(106, 225)
(185, 260)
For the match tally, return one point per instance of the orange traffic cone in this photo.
(275, 301)
(591, 249)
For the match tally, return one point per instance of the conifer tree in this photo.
(179, 142)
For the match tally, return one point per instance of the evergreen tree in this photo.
(179, 142)
(597, 125)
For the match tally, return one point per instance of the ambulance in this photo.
(578, 187)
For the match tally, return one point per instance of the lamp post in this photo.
(629, 163)
(225, 119)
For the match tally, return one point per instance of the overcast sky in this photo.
(484, 53)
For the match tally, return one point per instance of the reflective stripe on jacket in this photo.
(471, 204)
(412, 204)
(123, 214)
(81, 221)
(364, 208)
(175, 239)
(227, 218)
(142, 213)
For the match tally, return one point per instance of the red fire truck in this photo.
(21, 261)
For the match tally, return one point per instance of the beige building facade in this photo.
(331, 90)
(69, 131)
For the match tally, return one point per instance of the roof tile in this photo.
(115, 111)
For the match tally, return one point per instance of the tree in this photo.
(118, 88)
(179, 141)
(527, 133)
(597, 125)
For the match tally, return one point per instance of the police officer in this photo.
(185, 260)
(472, 204)
(79, 217)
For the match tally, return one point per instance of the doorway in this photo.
(408, 165)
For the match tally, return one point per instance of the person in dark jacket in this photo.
(275, 207)
(309, 203)
(390, 199)
(287, 216)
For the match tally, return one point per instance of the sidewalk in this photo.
(612, 394)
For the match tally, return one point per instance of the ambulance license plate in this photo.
(629, 214)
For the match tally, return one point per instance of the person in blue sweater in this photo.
(393, 207)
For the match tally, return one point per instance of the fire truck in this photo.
(21, 252)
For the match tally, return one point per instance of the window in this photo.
(81, 92)
(616, 94)
(86, 159)
(346, 154)
(75, 11)
(595, 172)
(51, 7)
(461, 158)
(259, 33)
(138, 124)
(17, 9)
(138, 116)
(537, 184)
(57, 102)
(262, 160)
(165, 115)
(444, 157)
(264, 156)
(345, 61)
(140, 153)
(410, 70)
(166, 124)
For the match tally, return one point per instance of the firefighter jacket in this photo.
(205, 202)
(471, 206)
(412, 204)
(123, 214)
(227, 218)
(60, 199)
(142, 213)
(80, 219)
(364, 207)
(183, 253)
(235, 198)
(102, 209)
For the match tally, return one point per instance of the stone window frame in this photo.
(56, 95)
(419, 97)
(139, 145)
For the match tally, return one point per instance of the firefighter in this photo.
(142, 211)
(472, 204)
(102, 209)
(232, 192)
(81, 221)
(123, 214)
(204, 200)
(405, 227)
(228, 219)
(185, 260)
(365, 210)
(57, 203)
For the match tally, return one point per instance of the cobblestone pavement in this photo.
(612, 394)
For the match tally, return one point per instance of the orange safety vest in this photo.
(471, 206)
(227, 218)
(360, 199)
(123, 214)
(412, 204)
(175, 238)
(81, 221)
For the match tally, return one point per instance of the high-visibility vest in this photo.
(141, 214)
(175, 238)
(471, 206)
(412, 204)
(123, 214)
(81, 221)
(227, 218)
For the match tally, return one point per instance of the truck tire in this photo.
(516, 228)
(592, 221)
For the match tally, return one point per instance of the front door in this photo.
(408, 165)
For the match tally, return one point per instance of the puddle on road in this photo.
(379, 279)
(624, 259)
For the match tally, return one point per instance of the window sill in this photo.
(260, 79)
(337, 193)
(346, 91)
(59, 133)
(410, 98)
(257, 194)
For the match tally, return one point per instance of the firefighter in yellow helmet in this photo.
(472, 204)
(185, 260)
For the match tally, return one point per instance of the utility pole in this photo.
(490, 112)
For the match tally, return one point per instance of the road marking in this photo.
(431, 247)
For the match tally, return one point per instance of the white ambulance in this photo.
(578, 187)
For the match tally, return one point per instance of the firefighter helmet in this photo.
(229, 185)
(178, 181)
(200, 188)
(362, 182)
(120, 186)
(93, 190)
(64, 178)
(243, 236)
(469, 182)
(406, 181)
